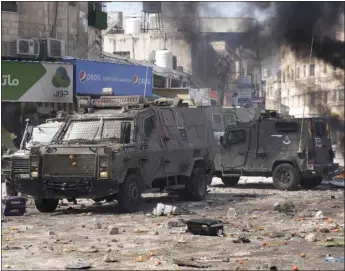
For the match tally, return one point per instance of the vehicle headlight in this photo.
(103, 174)
(34, 165)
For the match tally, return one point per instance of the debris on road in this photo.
(190, 263)
(287, 207)
(78, 265)
(163, 210)
(205, 227)
(113, 230)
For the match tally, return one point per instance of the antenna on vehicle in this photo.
(151, 60)
(304, 94)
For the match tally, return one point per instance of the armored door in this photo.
(235, 148)
(151, 148)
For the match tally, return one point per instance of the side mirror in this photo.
(125, 132)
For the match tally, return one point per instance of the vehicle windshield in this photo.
(43, 135)
(229, 119)
(92, 130)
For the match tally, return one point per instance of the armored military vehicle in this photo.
(293, 151)
(15, 163)
(119, 147)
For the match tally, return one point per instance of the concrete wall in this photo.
(140, 46)
(52, 20)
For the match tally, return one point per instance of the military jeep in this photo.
(293, 151)
(116, 147)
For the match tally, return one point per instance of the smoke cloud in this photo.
(295, 23)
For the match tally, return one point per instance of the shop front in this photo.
(34, 90)
(95, 78)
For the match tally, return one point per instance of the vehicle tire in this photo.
(196, 186)
(10, 189)
(285, 177)
(230, 181)
(129, 196)
(46, 205)
(312, 182)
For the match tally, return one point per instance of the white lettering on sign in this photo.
(118, 100)
(6, 81)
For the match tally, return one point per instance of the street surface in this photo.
(280, 235)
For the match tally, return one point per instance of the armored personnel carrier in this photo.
(15, 163)
(116, 147)
(293, 151)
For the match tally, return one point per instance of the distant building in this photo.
(314, 88)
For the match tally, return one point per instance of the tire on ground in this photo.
(46, 205)
(311, 182)
(195, 186)
(129, 196)
(286, 177)
(230, 181)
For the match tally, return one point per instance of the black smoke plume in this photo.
(295, 23)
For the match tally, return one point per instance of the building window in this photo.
(312, 98)
(72, 3)
(249, 70)
(325, 68)
(312, 70)
(288, 73)
(304, 71)
(9, 6)
(284, 77)
(292, 74)
(297, 75)
(325, 96)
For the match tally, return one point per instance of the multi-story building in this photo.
(314, 87)
(77, 24)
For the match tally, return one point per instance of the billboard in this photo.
(36, 82)
(93, 78)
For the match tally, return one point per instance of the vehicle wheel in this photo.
(285, 177)
(230, 181)
(309, 183)
(10, 189)
(196, 186)
(46, 205)
(129, 196)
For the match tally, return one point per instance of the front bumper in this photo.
(62, 188)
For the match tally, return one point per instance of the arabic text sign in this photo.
(36, 82)
(93, 77)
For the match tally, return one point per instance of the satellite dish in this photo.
(152, 57)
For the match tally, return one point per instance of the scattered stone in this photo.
(110, 259)
(51, 233)
(319, 215)
(287, 207)
(83, 226)
(113, 230)
(226, 259)
(231, 213)
(273, 268)
(120, 245)
(332, 226)
(324, 230)
(241, 240)
(156, 233)
(311, 237)
(98, 226)
(90, 249)
(114, 240)
(78, 265)
(175, 223)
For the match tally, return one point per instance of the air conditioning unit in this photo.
(52, 48)
(25, 47)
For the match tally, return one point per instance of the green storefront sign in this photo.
(36, 82)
